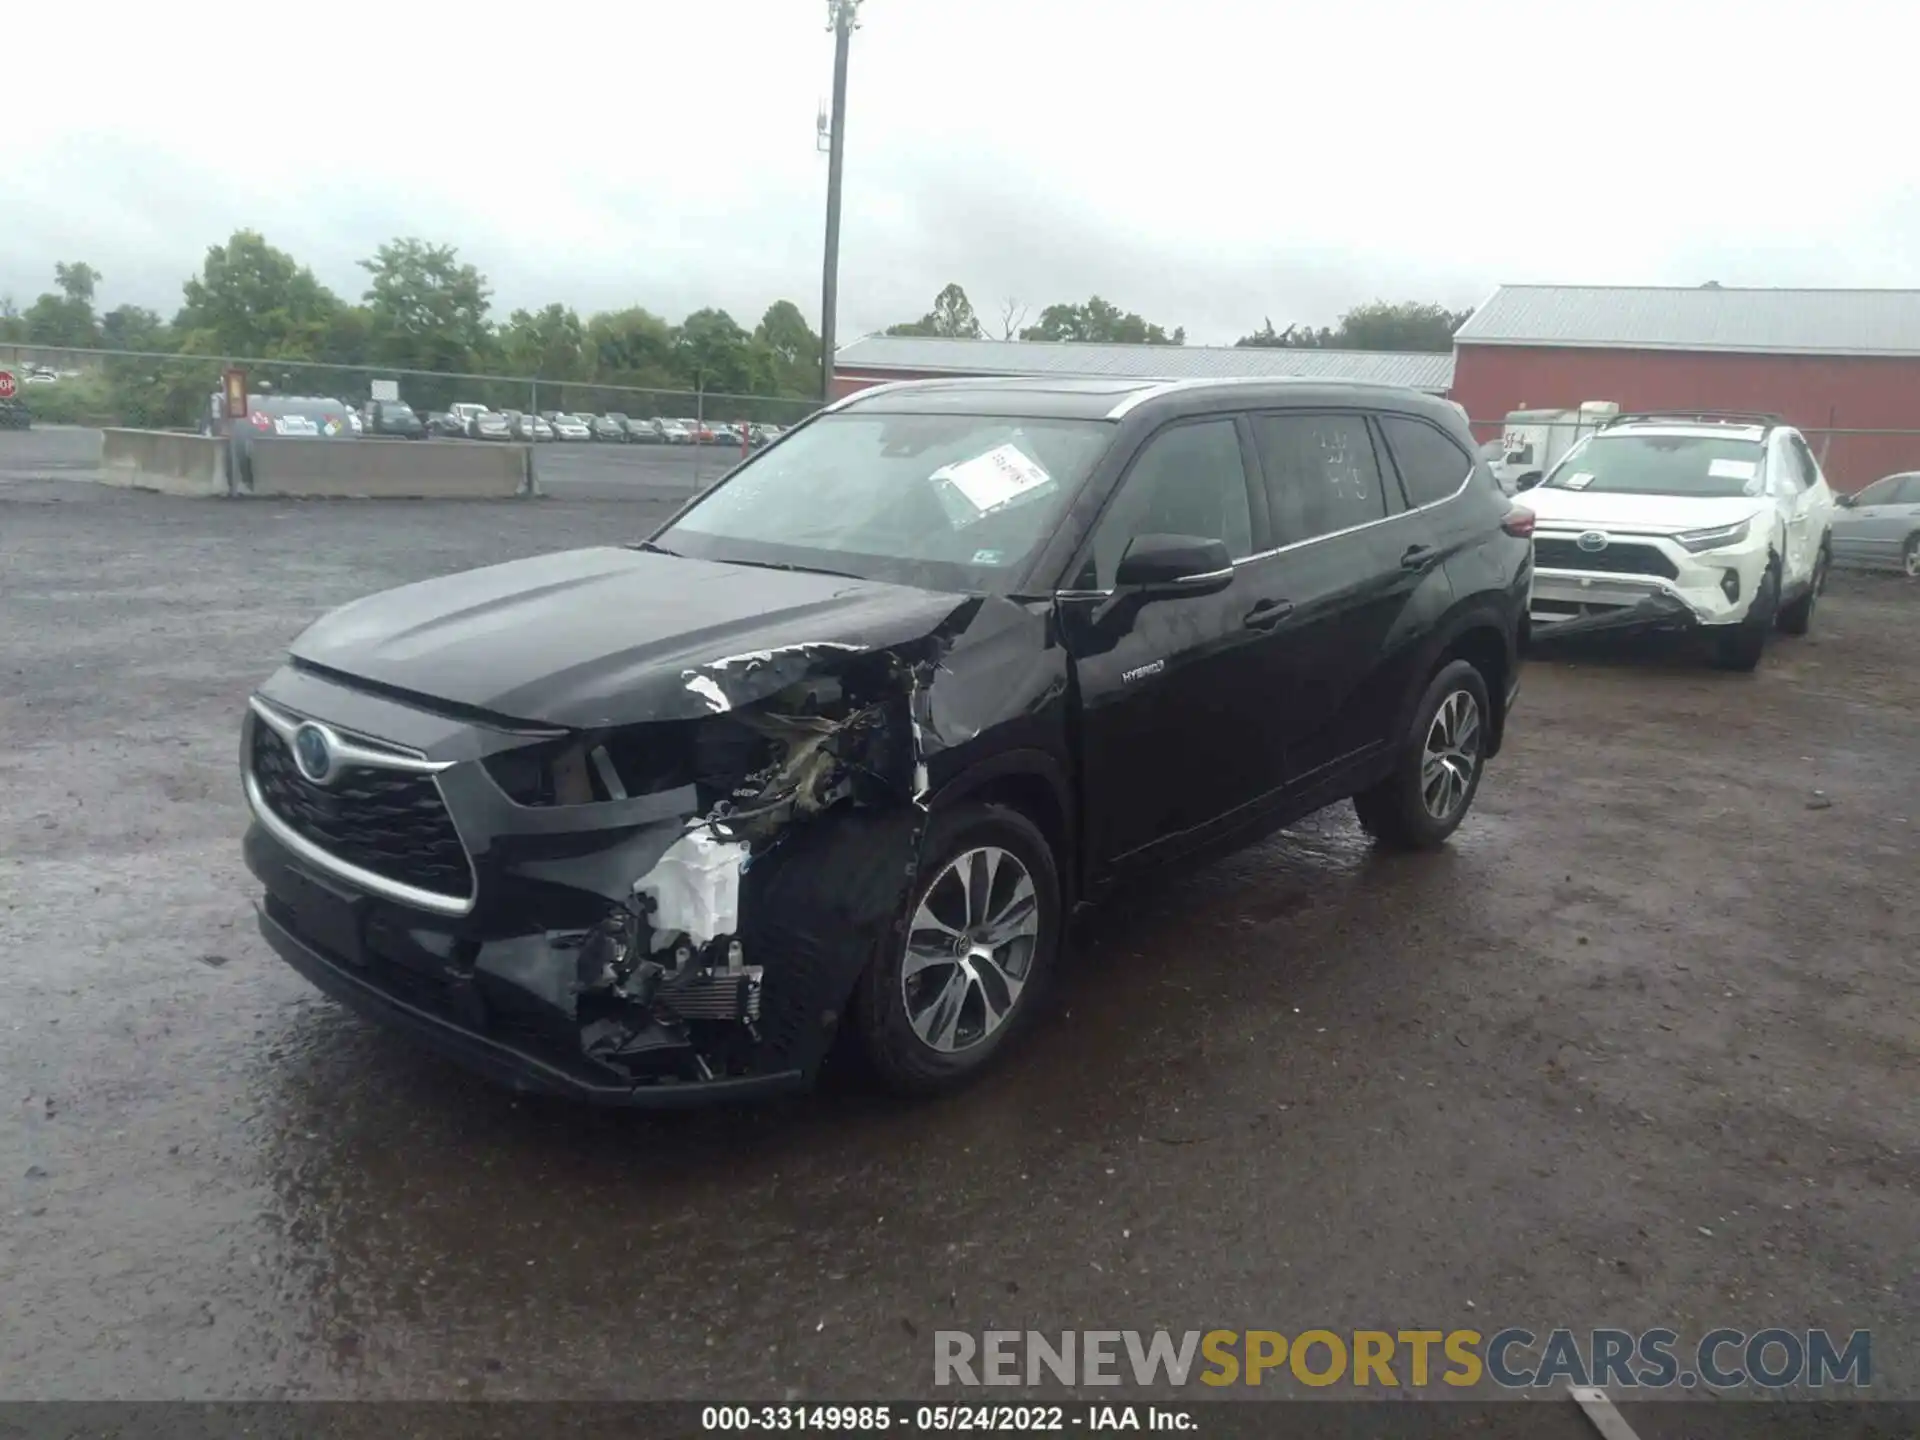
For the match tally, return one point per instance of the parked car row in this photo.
(472, 422)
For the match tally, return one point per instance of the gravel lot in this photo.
(1639, 1048)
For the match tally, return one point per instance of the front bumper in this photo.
(1711, 588)
(505, 1064)
(500, 970)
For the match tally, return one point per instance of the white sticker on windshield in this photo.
(1579, 480)
(1733, 469)
(1003, 476)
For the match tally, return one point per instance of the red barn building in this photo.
(1840, 365)
(877, 359)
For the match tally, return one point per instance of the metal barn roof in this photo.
(920, 354)
(1700, 318)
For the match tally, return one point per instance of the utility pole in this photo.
(842, 19)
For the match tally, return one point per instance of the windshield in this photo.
(391, 411)
(951, 502)
(1702, 466)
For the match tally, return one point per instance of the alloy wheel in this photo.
(1451, 756)
(970, 948)
(1910, 562)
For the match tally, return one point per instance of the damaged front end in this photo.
(628, 912)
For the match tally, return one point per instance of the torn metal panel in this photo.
(708, 689)
(998, 668)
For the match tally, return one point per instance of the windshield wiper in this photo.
(795, 569)
(652, 549)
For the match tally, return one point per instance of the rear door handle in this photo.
(1418, 557)
(1267, 614)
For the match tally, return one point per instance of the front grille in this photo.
(1619, 558)
(392, 822)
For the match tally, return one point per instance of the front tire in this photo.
(1910, 558)
(936, 1008)
(1438, 770)
(1797, 618)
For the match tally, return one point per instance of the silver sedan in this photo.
(1880, 526)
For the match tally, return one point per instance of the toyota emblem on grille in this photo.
(1593, 542)
(313, 753)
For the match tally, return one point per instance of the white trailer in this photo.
(1534, 441)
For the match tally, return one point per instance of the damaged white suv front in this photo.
(1680, 522)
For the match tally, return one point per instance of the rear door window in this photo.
(1322, 474)
(1432, 466)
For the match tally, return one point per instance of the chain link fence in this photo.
(149, 391)
(1850, 457)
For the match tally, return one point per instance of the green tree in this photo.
(77, 281)
(784, 332)
(952, 317)
(66, 318)
(12, 326)
(426, 310)
(1100, 321)
(1408, 326)
(134, 327)
(349, 338)
(711, 353)
(631, 347)
(550, 343)
(253, 299)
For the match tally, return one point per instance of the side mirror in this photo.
(1847, 502)
(1526, 482)
(1175, 565)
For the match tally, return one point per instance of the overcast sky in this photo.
(1206, 162)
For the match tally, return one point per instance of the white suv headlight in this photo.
(1717, 538)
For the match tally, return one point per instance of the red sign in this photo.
(6, 384)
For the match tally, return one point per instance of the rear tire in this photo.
(1438, 769)
(1741, 646)
(936, 1007)
(1797, 618)
(1910, 558)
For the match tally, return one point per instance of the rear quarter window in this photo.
(1432, 466)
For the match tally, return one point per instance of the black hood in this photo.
(613, 636)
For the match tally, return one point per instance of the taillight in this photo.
(260, 420)
(1519, 522)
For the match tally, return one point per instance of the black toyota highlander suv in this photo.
(850, 736)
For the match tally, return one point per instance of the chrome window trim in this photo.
(835, 406)
(347, 750)
(1311, 540)
(1150, 392)
(431, 900)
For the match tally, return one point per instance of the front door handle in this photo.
(1418, 557)
(1267, 614)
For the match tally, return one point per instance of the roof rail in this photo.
(1766, 420)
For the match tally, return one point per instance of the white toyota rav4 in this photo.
(1683, 521)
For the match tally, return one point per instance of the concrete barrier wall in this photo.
(390, 469)
(162, 460)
